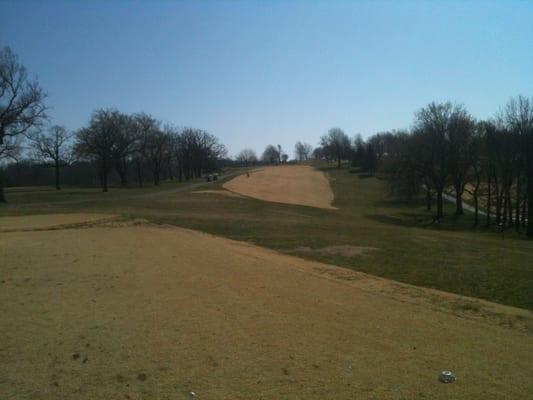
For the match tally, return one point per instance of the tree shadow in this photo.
(411, 220)
(400, 203)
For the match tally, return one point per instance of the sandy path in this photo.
(148, 312)
(290, 184)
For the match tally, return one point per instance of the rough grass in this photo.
(409, 246)
(117, 311)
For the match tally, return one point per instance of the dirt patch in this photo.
(291, 184)
(170, 310)
(47, 221)
(221, 193)
(341, 250)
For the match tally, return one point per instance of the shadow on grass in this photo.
(405, 219)
(400, 203)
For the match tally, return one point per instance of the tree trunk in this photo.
(338, 162)
(517, 210)
(476, 197)
(529, 231)
(104, 181)
(498, 200)
(139, 174)
(440, 213)
(524, 211)
(156, 176)
(503, 199)
(428, 198)
(2, 194)
(489, 204)
(105, 172)
(170, 172)
(58, 186)
(122, 174)
(458, 200)
(476, 208)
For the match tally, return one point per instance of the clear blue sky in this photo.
(255, 73)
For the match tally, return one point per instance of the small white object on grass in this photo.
(447, 377)
(192, 396)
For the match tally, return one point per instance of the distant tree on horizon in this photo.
(271, 155)
(303, 151)
(96, 142)
(246, 157)
(53, 147)
(336, 144)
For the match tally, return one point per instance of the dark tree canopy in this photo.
(303, 151)
(98, 141)
(271, 154)
(246, 157)
(336, 144)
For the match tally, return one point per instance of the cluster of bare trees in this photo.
(113, 140)
(303, 151)
(448, 151)
(246, 157)
(274, 155)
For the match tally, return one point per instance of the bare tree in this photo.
(143, 126)
(123, 144)
(21, 103)
(432, 127)
(271, 155)
(303, 151)
(519, 117)
(246, 157)
(96, 142)
(157, 142)
(337, 144)
(461, 146)
(53, 147)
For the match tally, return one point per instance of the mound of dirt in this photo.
(153, 312)
(290, 184)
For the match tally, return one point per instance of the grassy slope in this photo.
(408, 247)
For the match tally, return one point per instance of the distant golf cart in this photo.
(211, 177)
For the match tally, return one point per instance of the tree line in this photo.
(111, 141)
(450, 153)
(274, 154)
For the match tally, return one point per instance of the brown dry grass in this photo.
(339, 250)
(290, 184)
(46, 221)
(152, 312)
